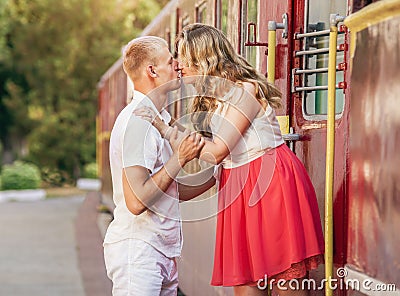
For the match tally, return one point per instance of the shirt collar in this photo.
(145, 100)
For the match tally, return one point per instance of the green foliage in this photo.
(52, 54)
(20, 176)
(54, 177)
(90, 171)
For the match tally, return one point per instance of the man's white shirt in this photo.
(135, 141)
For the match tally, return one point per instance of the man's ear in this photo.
(151, 72)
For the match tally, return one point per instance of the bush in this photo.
(55, 178)
(20, 176)
(90, 171)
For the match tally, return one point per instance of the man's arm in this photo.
(189, 192)
(193, 185)
(142, 190)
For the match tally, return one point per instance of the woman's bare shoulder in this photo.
(249, 87)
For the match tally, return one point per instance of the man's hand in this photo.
(185, 146)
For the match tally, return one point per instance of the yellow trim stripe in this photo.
(104, 136)
(370, 15)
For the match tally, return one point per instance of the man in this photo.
(144, 238)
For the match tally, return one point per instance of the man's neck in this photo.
(156, 97)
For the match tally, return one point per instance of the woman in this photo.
(268, 225)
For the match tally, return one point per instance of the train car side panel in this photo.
(112, 99)
(375, 136)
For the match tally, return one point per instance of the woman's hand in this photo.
(150, 115)
(146, 113)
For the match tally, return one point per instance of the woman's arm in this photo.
(164, 129)
(243, 108)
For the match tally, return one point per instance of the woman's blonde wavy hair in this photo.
(209, 51)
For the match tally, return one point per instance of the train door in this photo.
(301, 53)
(280, 12)
(308, 109)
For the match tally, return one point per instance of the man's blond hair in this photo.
(139, 51)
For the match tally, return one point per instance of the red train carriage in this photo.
(338, 88)
(113, 95)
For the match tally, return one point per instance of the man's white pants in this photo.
(137, 268)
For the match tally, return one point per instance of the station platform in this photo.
(53, 247)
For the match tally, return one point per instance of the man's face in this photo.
(166, 70)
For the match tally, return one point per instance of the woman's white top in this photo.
(262, 135)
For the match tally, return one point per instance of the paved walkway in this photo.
(52, 247)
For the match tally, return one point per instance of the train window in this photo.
(185, 21)
(315, 98)
(224, 16)
(178, 20)
(172, 31)
(168, 39)
(221, 15)
(201, 12)
(359, 4)
(251, 16)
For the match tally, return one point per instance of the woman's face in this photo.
(186, 71)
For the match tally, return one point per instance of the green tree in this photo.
(52, 54)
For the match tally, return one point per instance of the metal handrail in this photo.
(315, 71)
(312, 51)
(254, 42)
(312, 34)
(312, 88)
(324, 50)
(330, 152)
(272, 27)
(310, 71)
(291, 137)
(271, 56)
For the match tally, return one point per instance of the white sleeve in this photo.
(141, 144)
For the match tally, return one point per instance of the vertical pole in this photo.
(330, 153)
(271, 51)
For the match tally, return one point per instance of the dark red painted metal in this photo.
(272, 11)
(239, 26)
(111, 100)
(312, 151)
(217, 14)
(374, 189)
(254, 41)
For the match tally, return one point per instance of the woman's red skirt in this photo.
(268, 222)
